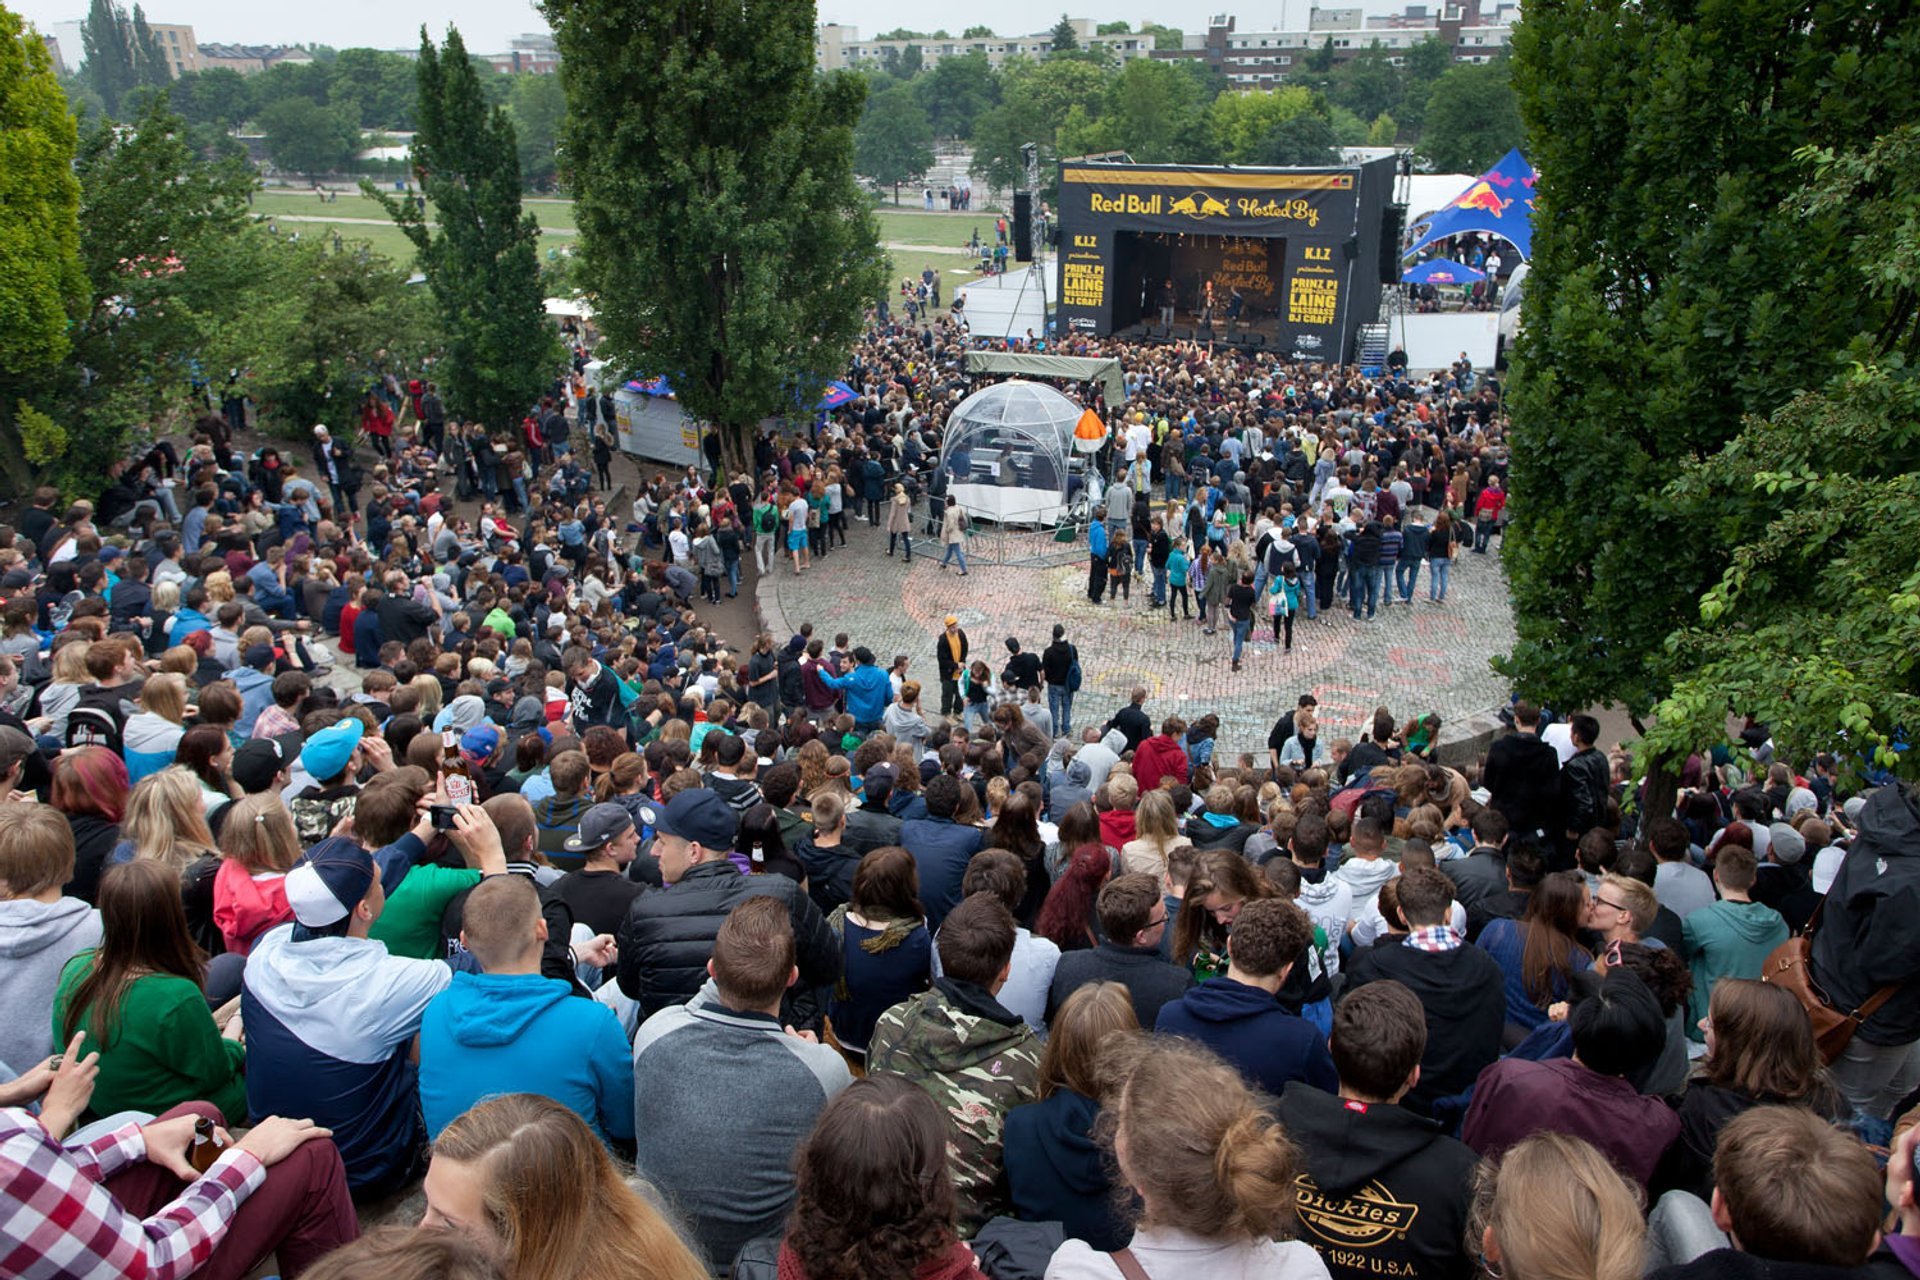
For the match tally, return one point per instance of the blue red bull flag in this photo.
(835, 395)
(1442, 271)
(1499, 201)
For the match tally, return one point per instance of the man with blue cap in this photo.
(330, 1018)
(330, 759)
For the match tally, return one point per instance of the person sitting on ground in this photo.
(331, 1018)
(600, 892)
(140, 1000)
(1730, 939)
(724, 1095)
(667, 938)
(1236, 1014)
(1793, 1197)
(1760, 1052)
(975, 1057)
(1459, 989)
(886, 951)
(942, 849)
(129, 1205)
(1553, 1208)
(1213, 1171)
(1133, 915)
(1030, 972)
(523, 1174)
(41, 929)
(874, 1196)
(510, 1030)
(1055, 1168)
(409, 1253)
(1359, 1147)
(1618, 1030)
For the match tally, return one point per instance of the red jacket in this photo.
(245, 907)
(1492, 503)
(1159, 757)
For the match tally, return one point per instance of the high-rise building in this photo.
(178, 45)
(840, 48)
(1471, 30)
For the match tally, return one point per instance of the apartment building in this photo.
(837, 47)
(178, 45)
(1475, 32)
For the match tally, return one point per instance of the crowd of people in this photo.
(635, 951)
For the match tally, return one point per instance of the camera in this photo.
(442, 816)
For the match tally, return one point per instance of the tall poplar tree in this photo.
(723, 237)
(479, 249)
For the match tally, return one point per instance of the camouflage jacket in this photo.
(977, 1067)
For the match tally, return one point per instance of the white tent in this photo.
(1009, 447)
(1010, 305)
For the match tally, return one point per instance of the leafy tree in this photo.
(306, 138)
(1420, 66)
(1674, 296)
(150, 66)
(41, 282)
(1120, 28)
(955, 92)
(538, 106)
(111, 69)
(379, 85)
(217, 96)
(1164, 37)
(481, 257)
(1810, 626)
(1472, 118)
(1064, 40)
(1153, 110)
(1383, 131)
(1240, 122)
(1035, 98)
(900, 33)
(167, 246)
(1320, 59)
(1367, 84)
(978, 33)
(903, 64)
(1299, 140)
(894, 141)
(1349, 130)
(722, 231)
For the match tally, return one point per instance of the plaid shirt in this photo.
(58, 1222)
(1437, 937)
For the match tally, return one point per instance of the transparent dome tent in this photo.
(1009, 451)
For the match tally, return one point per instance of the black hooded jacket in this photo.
(1868, 933)
(1383, 1191)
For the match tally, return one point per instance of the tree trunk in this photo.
(1657, 796)
(736, 449)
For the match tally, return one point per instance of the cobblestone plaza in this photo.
(1412, 658)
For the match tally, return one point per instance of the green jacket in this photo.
(979, 1062)
(410, 923)
(165, 1048)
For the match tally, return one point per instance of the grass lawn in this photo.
(942, 233)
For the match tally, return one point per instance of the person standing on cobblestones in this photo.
(950, 657)
(1060, 665)
(1097, 552)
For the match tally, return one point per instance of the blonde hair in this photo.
(70, 664)
(166, 597)
(1203, 1152)
(165, 820)
(219, 585)
(1559, 1211)
(430, 695)
(259, 834)
(165, 695)
(1156, 823)
(554, 1197)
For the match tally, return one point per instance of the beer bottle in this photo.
(206, 1146)
(456, 775)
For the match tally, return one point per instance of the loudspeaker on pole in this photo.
(1023, 226)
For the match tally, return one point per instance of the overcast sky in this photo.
(489, 24)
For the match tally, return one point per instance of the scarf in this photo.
(894, 930)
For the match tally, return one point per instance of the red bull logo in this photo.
(1483, 197)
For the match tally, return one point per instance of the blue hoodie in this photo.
(1246, 1026)
(1056, 1171)
(256, 695)
(869, 690)
(493, 1033)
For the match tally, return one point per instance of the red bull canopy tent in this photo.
(1499, 201)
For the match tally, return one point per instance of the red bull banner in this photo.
(1291, 255)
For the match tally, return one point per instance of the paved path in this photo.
(1412, 659)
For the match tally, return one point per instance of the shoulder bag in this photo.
(1789, 967)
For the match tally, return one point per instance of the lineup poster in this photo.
(1083, 272)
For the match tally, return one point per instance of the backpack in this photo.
(94, 727)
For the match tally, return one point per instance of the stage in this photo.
(1287, 260)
